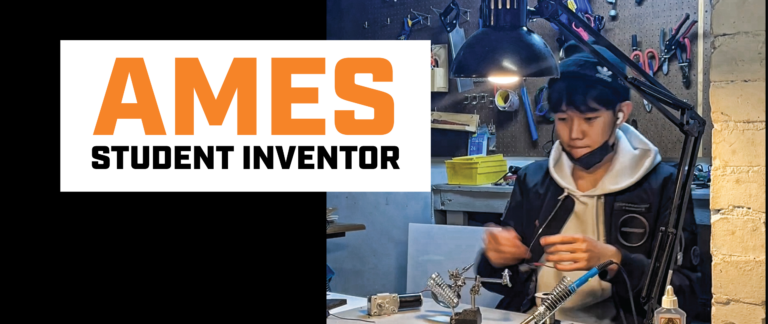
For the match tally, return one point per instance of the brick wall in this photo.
(737, 97)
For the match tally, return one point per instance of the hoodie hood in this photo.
(634, 157)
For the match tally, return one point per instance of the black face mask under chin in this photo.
(593, 158)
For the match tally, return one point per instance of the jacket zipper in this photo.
(600, 219)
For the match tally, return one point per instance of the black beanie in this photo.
(580, 66)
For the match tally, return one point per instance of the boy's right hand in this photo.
(504, 247)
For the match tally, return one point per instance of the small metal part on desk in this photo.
(383, 304)
(390, 304)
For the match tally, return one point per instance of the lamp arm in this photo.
(689, 122)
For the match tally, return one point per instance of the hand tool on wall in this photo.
(528, 112)
(678, 42)
(583, 8)
(664, 58)
(408, 24)
(581, 31)
(456, 37)
(642, 58)
(613, 13)
(684, 62)
(679, 37)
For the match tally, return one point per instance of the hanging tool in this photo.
(456, 37)
(664, 58)
(678, 42)
(408, 24)
(581, 31)
(676, 38)
(642, 59)
(684, 62)
(528, 112)
(613, 13)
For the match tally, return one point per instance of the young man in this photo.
(605, 192)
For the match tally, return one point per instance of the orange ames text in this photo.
(241, 80)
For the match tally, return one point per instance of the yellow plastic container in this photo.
(476, 170)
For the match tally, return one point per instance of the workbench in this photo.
(451, 203)
(429, 313)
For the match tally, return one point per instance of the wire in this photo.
(551, 141)
(605, 265)
(352, 319)
(539, 100)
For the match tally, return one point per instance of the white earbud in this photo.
(621, 116)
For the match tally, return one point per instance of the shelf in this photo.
(340, 229)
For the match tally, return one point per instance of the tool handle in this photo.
(679, 25)
(634, 42)
(687, 49)
(581, 32)
(688, 30)
(652, 67)
(450, 23)
(529, 113)
(591, 20)
(661, 40)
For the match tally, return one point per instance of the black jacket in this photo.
(536, 196)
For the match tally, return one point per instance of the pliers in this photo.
(672, 45)
(664, 58)
(684, 62)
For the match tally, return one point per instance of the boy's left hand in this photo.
(581, 252)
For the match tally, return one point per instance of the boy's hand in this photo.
(578, 252)
(504, 247)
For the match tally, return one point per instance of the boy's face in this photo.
(580, 133)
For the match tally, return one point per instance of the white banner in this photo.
(245, 116)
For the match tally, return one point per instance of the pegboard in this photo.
(383, 20)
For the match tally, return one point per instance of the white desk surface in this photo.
(429, 313)
(352, 302)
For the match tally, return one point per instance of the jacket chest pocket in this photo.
(631, 225)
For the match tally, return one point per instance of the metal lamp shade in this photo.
(504, 52)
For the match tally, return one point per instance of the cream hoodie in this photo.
(635, 157)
